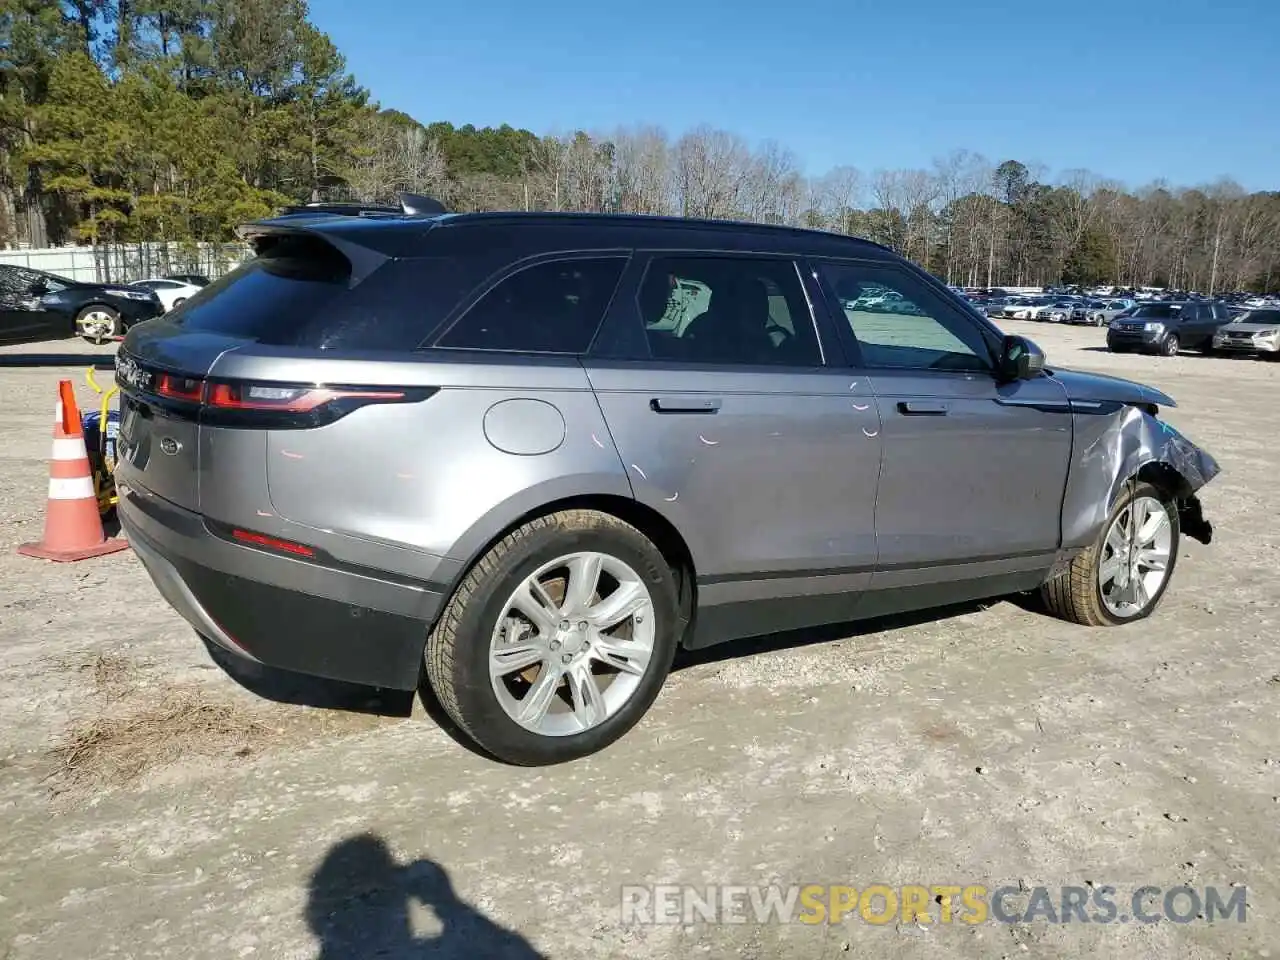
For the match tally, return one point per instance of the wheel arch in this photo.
(661, 531)
(84, 307)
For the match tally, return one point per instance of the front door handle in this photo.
(922, 408)
(684, 404)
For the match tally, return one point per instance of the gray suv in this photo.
(525, 457)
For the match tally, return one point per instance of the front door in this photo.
(974, 470)
(733, 427)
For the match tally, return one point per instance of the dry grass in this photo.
(116, 750)
(113, 676)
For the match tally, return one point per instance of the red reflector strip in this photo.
(272, 543)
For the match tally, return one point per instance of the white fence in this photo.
(121, 263)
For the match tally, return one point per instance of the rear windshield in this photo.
(301, 293)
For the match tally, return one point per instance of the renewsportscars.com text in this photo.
(933, 903)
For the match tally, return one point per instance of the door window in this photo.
(727, 310)
(551, 307)
(899, 323)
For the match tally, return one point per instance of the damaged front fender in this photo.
(1116, 444)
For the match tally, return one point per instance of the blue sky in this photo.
(1185, 90)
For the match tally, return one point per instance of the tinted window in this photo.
(1155, 311)
(552, 307)
(1262, 316)
(12, 286)
(299, 293)
(747, 310)
(898, 322)
(1221, 311)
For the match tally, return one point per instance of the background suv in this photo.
(529, 455)
(35, 305)
(1167, 327)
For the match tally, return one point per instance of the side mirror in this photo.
(1020, 359)
(39, 288)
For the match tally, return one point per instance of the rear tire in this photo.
(481, 626)
(1076, 594)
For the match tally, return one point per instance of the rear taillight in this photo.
(173, 387)
(262, 405)
(259, 396)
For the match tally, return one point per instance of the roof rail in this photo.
(411, 205)
(342, 209)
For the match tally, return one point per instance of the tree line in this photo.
(173, 121)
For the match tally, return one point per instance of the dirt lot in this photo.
(153, 808)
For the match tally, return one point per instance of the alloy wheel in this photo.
(97, 325)
(1135, 557)
(572, 644)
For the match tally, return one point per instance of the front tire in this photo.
(1122, 577)
(1171, 345)
(98, 323)
(558, 640)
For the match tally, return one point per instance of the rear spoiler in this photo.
(366, 235)
(260, 234)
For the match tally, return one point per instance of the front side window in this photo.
(551, 307)
(727, 310)
(899, 323)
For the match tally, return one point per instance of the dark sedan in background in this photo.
(35, 305)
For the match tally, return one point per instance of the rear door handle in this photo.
(684, 404)
(922, 408)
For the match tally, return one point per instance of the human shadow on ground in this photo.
(362, 903)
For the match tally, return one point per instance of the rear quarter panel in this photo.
(444, 476)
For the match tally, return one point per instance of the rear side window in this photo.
(301, 293)
(550, 307)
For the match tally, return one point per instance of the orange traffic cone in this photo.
(72, 526)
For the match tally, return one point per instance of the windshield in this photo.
(1261, 316)
(1162, 310)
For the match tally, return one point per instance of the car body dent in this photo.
(1114, 442)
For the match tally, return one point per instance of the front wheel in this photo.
(98, 323)
(1171, 346)
(1122, 577)
(558, 639)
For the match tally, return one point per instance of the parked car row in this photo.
(1235, 324)
(1059, 309)
(35, 305)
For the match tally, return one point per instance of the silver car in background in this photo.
(1256, 332)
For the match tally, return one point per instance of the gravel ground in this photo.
(154, 808)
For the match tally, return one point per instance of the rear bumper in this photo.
(136, 311)
(278, 611)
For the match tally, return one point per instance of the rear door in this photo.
(974, 470)
(730, 423)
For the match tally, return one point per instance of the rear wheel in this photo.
(1122, 577)
(558, 639)
(98, 323)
